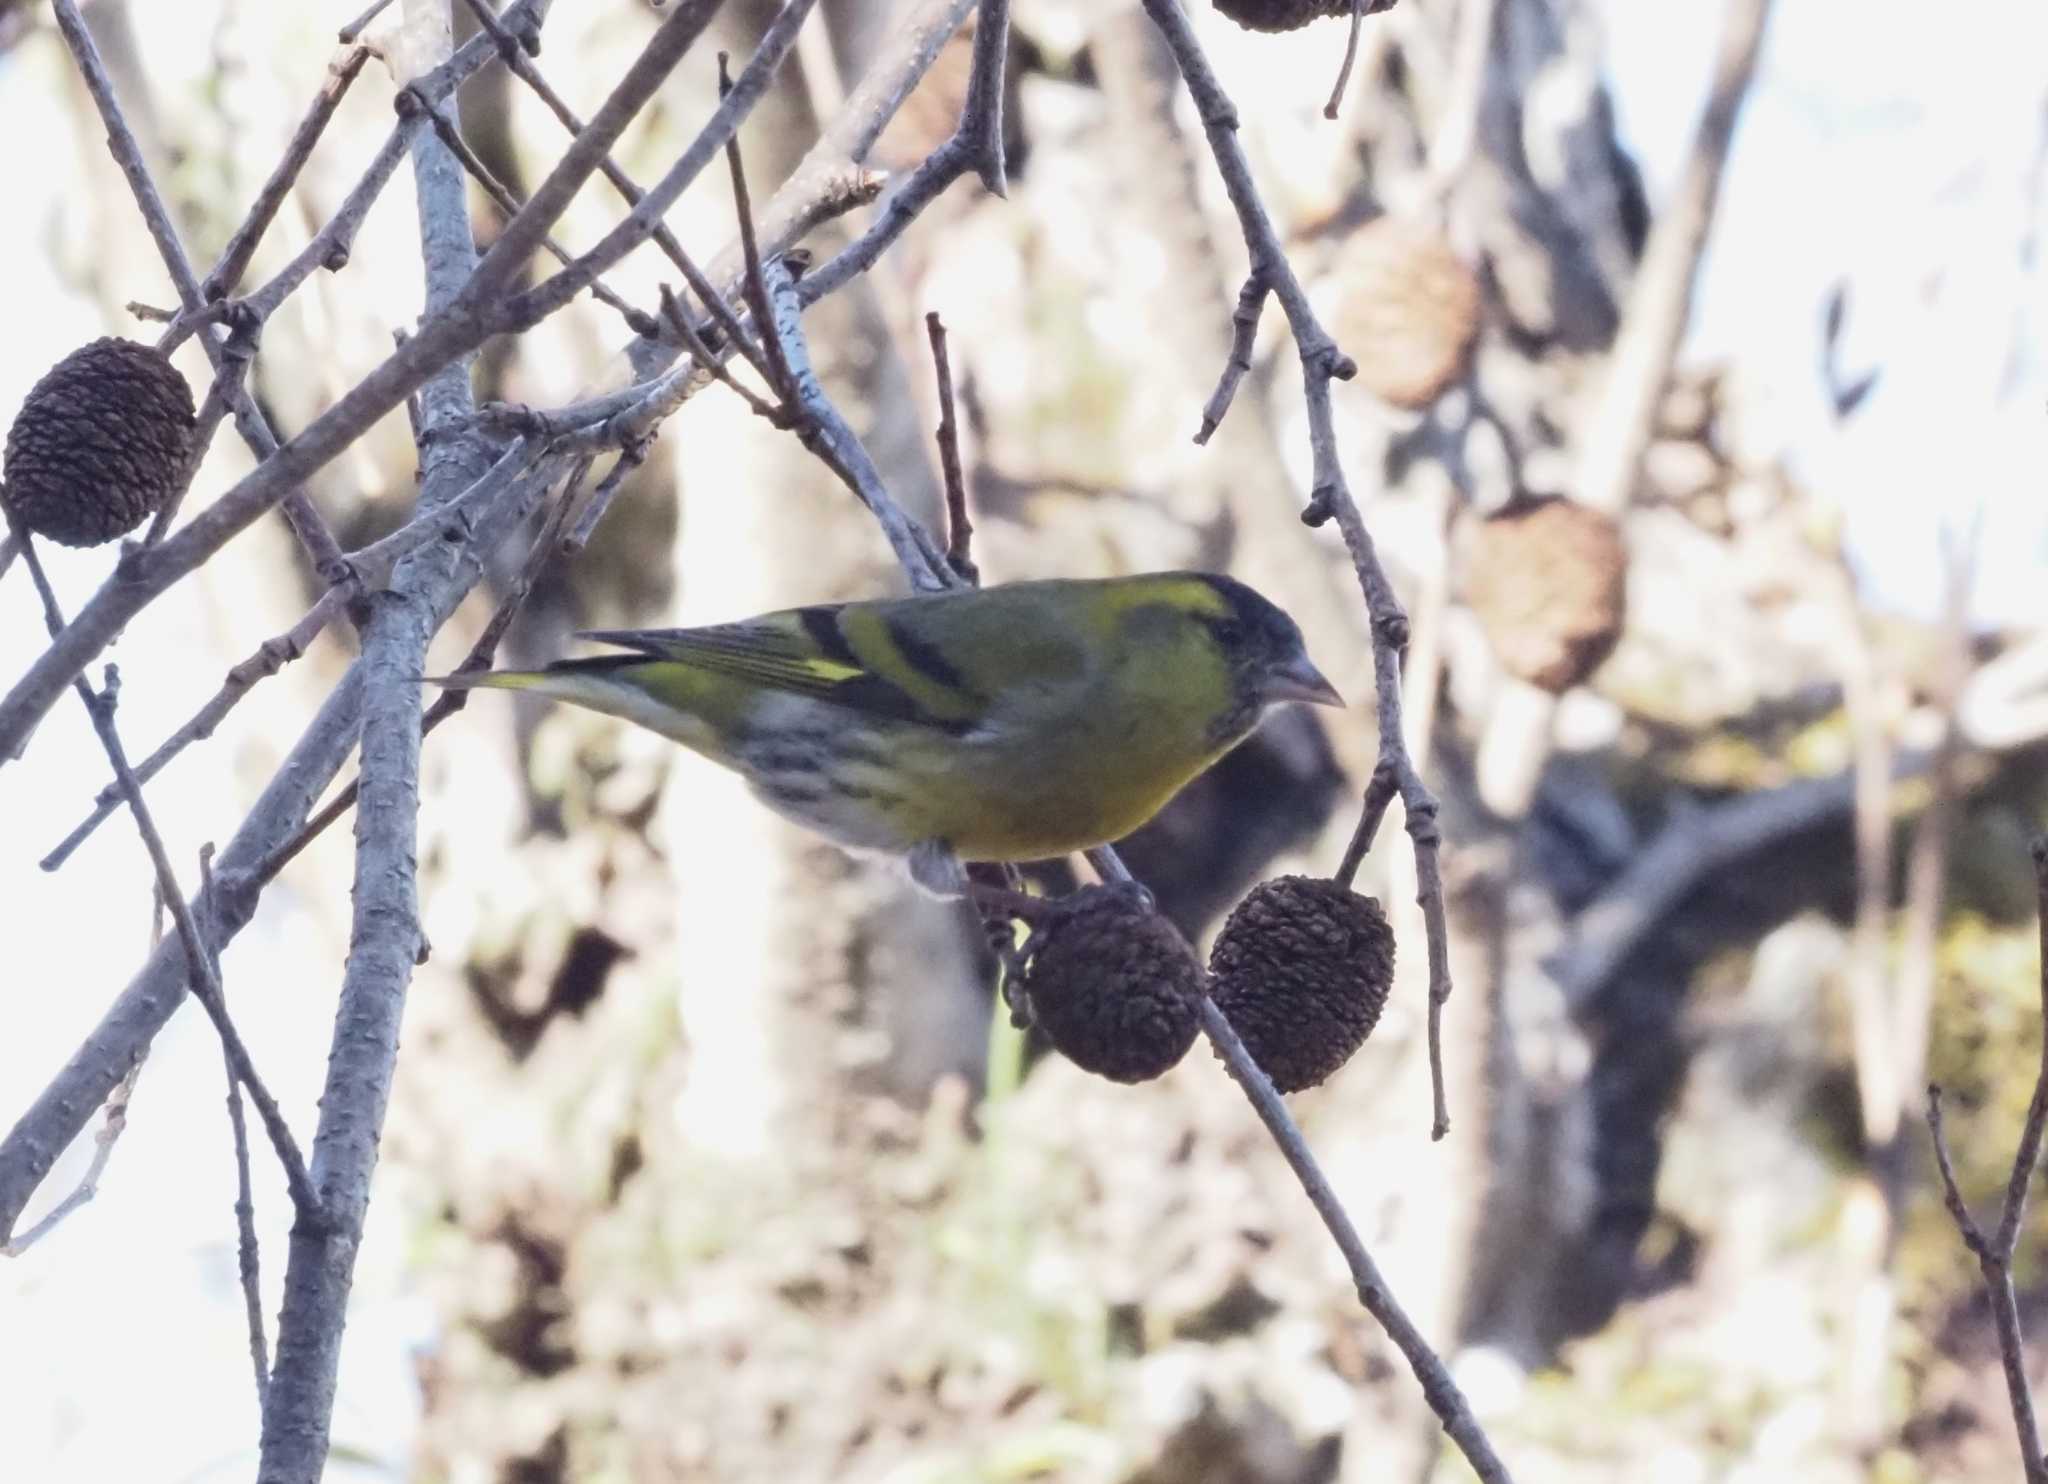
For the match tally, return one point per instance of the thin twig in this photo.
(449, 702)
(99, 706)
(270, 657)
(1330, 497)
(780, 379)
(206, 987)
(299, 514)
(629, 459)
(248, 1256)
(639, 321)
(825, 431)
(361, 23)
(241, 247)
(959, 527)
(775, 300)
(677, 318)
(1379, 793)
(1994, 1252)
(236, 353)
(521, 66)
(330, 247)
(113, 1122)
(518, 311)
(976, 144)
(1244, 331)
(1951, 1192)
(2027, 1157)
(1445, 1399)
(981, 118)
(365, 570)
(1358, 10)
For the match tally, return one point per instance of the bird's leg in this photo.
(1007, 902)
(999, 926)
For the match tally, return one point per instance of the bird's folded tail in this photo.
(487, 679)
(655, 695)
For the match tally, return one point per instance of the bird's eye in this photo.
(1228, 631)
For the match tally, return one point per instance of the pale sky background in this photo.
(1891, 144)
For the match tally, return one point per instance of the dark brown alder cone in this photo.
(99, 444)
(1302, 970)
(1548, 580)
(1113, 985)
(1290, 15)
(1410, 311)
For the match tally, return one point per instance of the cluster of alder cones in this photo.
(1301, 971)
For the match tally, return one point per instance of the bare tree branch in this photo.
(479, 310)
(276, 824)
(976, 144)
(536, 304)
(385, 939)
(241, 247)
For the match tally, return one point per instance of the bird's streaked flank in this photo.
(1010, 723)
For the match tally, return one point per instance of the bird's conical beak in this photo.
(1298, 680)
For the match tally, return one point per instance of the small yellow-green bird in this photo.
(1009, 723)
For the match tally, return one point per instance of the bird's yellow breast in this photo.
(1103, 772)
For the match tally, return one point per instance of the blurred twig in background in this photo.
(1994, 1249)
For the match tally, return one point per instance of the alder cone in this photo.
(1548, 580)
(1289, 15)
(1113, 985)
(1302, 970)
(99, 444)
(1409, 314)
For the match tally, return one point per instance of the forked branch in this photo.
(1994, 1249)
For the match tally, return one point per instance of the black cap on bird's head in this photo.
(1270, 658)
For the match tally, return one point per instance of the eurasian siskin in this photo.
(1009, 723)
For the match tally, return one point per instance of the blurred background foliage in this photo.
(706, 1161)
